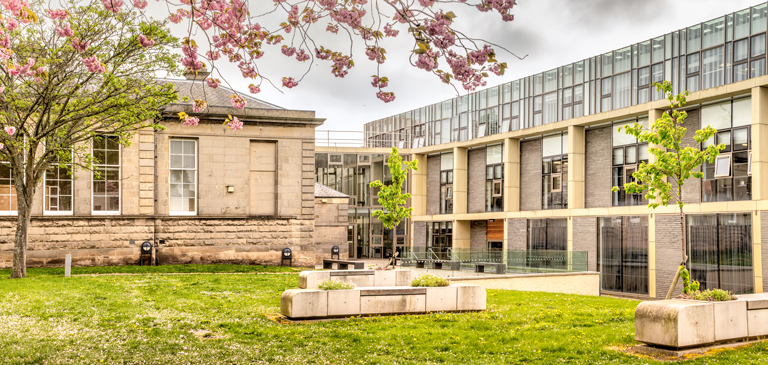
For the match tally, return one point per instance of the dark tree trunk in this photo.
(20, 244)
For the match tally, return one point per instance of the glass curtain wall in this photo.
(547, 234)
(729, 177)
(554, 170)
(628, 153)
(720, 251)
(623, 254)
(494, 179)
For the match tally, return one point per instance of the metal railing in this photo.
(336, 138)
(517, 261)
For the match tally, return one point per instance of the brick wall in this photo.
(517, 233)
(668, 253)
(530, 175)
(420, 234)
(597, 187)
(692, 187)
(331, 224)
(100, 241)
(477, 235)
(433, 185)
(585, 239)
(476, 181)
(764, 247)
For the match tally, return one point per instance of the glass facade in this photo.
(351, 174)
(720, 251)
(728, 49)
(623, 254)
(627, 155)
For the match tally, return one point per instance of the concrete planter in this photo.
(361, 278)
(688, 323)
(314, 303)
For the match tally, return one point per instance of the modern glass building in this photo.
(529, 165)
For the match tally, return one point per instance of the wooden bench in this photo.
(342, 264)
(501, 268)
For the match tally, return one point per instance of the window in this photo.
(605, 92)
(547, 234)
(550, 108)
(183, 178)
(693, 72)
(643, 83)
(728, 178)
(537, 111)
(58, 189)
(494, 179)
(440, 237)
(720, 251)
(578, 98)
(621, 90)
(554, 171)
(106, 175)
(628, 154)
(749, 58)
(623, 254)
(446, 183)
(7, 190)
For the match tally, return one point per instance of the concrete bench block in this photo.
(384, 278)
(755, 301)
(675, 323)
(441, 299)
(304, 303)
(343, 303)
(757, 322)
(470, 298)
(392, 304)
(310, 279)
(404, 277)
(730, 320)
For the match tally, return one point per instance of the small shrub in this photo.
(379, 267)
(713, 295)
(429, 280)
(688, 286)
(335, 285)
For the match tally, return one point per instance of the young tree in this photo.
(391, 197)
(662, 179)
(72, 75)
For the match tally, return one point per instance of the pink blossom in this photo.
(140, 4)
(94, 65)
(5, 42)
(10, 130)
(288, 51)
(190, 121)
(379, 82)
(189, 60)
(427, 2)
(385, 96)
(254, 89)
(11, 24)
(289, 82)
(213, 83)
(80, 46)
(64, 32)
(389, 32)
(238, 102)
(332, 28)
(1, 146)
(146, 41)
(401, 15)
(302, 55)
(427, 61)
(375, 54)
(235, 124)
(58, 14)
(199, 105)
(112, 5)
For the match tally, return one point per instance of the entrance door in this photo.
(377, 247)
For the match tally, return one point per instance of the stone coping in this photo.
(361, 278)
(502, 276)
(680, 323)
(315, 303)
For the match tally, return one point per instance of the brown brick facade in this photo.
(420, 234)
(433, 185)
(476, 181)
(530, 175)
(668, 253)
(517, 233)
(477, 235)
(597, 187)
(585, 239)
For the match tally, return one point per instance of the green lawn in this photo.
(150, 319)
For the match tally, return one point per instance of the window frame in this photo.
(196, 177)
(119, 211)
(717, 163)
(45, 194)
(11, 195)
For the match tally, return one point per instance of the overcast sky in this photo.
(551, 32)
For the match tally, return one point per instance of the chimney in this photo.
(197, 76)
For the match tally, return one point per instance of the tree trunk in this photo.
(21, 240)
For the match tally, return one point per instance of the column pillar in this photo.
(576, 171)
(759, 152)
(511, 158)
(461, 234)
(651, 256)
(460, 182)
(757, 252)
(419, 186)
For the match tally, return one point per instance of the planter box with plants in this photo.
(701, 318)
(425, 293)
(362, 278)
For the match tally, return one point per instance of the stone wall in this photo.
(102, 241)
(517, 233)
(530, 175)
(764, 248)
(477, 235)
(597, 187)
(433, 185)
(420, 234)
(585, 239)
(331, 224)
(692, 187)
(476, 181)
(668, 254)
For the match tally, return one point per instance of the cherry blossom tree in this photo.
(69, 76)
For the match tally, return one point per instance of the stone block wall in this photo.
(478, 235)
(585, 239)
(668, 253)
(476, 181)
(692, 187)
(530, 175)
(764, 248)
(331, 225)
(420, 234)
(517, 233)
(597, 187)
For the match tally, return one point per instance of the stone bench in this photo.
(342, 264)
(314, 303)
(682, 324)
(361, 278)
(501, 268)
(436, 264)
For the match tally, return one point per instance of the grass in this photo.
(225, 319)
(163, 269)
